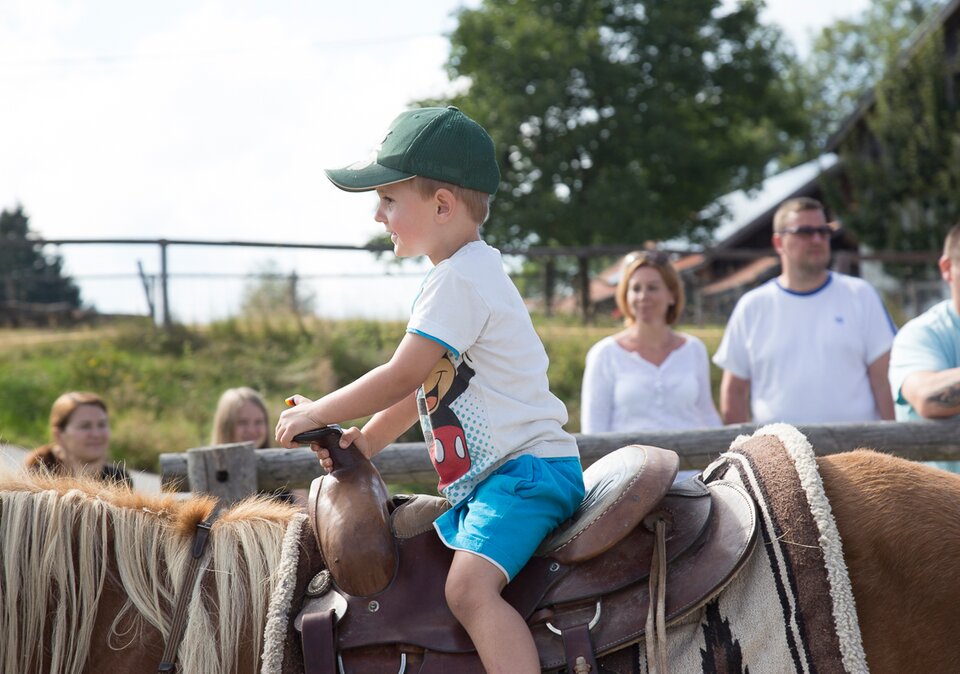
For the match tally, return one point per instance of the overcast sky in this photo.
(209, 119)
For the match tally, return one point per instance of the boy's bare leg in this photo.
(501, 636)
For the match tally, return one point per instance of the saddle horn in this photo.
(350, 518)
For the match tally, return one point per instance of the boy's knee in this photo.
(458, 595)
(464, 595)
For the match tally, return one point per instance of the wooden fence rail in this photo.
(409, 462)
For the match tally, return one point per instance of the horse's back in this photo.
(900, 526)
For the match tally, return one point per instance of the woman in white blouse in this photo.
(647, 376)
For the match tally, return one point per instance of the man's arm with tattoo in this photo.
(933, 394)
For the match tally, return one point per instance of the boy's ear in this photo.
(445, 202)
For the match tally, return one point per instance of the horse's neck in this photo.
(901, 539)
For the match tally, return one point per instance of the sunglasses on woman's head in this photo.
(657, 257)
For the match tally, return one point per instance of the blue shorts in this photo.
(508, 515)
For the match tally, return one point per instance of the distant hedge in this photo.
(162, 386)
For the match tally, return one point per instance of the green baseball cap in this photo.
(439, 143)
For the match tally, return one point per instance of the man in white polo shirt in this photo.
(810, 346)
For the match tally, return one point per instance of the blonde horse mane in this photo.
(58, 537)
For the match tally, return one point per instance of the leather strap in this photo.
(656, 637)
(319, 654)
(578, 648)
(168, 661)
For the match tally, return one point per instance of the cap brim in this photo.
(365, 178)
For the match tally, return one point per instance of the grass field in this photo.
(162, 387)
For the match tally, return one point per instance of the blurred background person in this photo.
(648, 376)
(241, 416)
(80, 432)
(812, 345)
(925, 359)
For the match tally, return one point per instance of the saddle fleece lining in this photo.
(278, 613)
(841, 592)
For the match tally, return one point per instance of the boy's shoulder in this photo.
(474, 273)
(474, 258)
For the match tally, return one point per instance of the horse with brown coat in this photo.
(90, 574)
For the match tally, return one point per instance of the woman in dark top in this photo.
(80, 427)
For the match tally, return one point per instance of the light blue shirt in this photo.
(928, 343)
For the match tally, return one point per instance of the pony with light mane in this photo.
(90, 574)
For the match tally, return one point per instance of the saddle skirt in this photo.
(585, 593)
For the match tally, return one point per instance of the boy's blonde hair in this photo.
(477, 203)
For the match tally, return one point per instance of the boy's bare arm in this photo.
(385, 427)
(378, 390)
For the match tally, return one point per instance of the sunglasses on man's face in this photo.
(808, 232)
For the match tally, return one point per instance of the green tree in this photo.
(621, 121)
(273, 294)
(26, 273)
(850, 56)
(902, 167)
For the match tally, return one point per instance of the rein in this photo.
(179, 622)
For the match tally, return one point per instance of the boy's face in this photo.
(408, 217)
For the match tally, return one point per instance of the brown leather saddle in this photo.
(638, 554)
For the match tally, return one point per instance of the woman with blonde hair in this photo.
(241, 416)
(80, 430)
(648, 376)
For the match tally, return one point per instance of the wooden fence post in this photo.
(228, 472)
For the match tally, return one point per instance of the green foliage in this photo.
(850, 56)
(162, 388)
(271, 294)
(27, 390)
(26, 273)
(620, 121)
(903, 171)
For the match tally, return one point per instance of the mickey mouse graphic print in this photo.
(438, 401)
(487, 400)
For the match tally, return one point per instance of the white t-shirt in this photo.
(806, 354)
(488, 399)
(623, 392)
